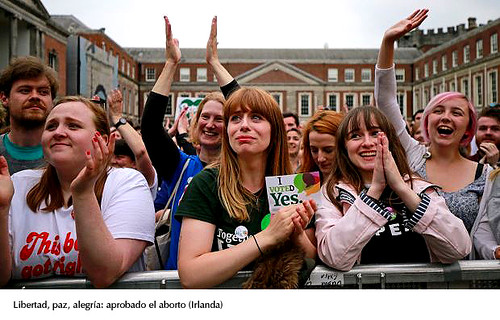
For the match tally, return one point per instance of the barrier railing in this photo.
(462, 274)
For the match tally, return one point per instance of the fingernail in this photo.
(97, 133)
(95, 139)
(88, 153)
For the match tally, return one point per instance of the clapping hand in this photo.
(378, 177)
(97, 162)
(115, 105)
(172, 50)
(212, 53)
(391, 171)
(491, 154)
(6, 186)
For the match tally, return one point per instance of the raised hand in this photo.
(212, 54)
(115, 105)
(404, 26)
(172, 50)
(97, 161)
(6, 186)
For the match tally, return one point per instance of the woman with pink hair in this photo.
(448, 123)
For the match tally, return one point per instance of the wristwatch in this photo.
(120, 122)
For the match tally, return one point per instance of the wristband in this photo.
(258, 247)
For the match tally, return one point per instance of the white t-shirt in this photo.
(44, 244)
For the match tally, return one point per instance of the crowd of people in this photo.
(81, 189)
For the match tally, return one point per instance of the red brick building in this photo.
(302, 80)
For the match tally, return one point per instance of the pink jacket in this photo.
(342, 234)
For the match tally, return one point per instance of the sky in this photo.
(266, 23)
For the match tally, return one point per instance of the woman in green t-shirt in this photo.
(254, 146)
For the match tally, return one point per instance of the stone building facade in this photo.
(97, 64)
(26, 29)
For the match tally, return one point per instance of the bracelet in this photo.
(258, 247)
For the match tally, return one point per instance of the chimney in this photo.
(472, 23)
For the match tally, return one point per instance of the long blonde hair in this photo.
(48, 189)
(233, 195)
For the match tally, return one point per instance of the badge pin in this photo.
(241, 232)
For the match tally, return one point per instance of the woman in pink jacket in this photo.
(375, 210)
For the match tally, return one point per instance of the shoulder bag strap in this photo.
(174, 192)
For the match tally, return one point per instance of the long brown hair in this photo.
(48, 189)
(343, 169)
(233, 195)
(324, 122)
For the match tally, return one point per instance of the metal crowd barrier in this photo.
(461, 275)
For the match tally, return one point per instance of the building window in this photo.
(400, 75)
(123, 65)
(444, 63)
(366, 75)
(150, 74)
(434, 66)
(128, 69)
(184, 95)
(53, 60)
(453, 86)
(426, 97)
(479, 48)
(478, 90)
(333, 101)
(349, 100)
(200, 95)
(401, 102)
(333, 75)
(442, 87)
(201, 74)
(494, 43)
(184, 75)
(349, 75)
(305, 104)
(466, 54)
(417, 71)
(366, 99)
(454, 58)
(131, 103)
(169, 111)
(493, 87)
(465, 87)
(426, 70)
(278, 97)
